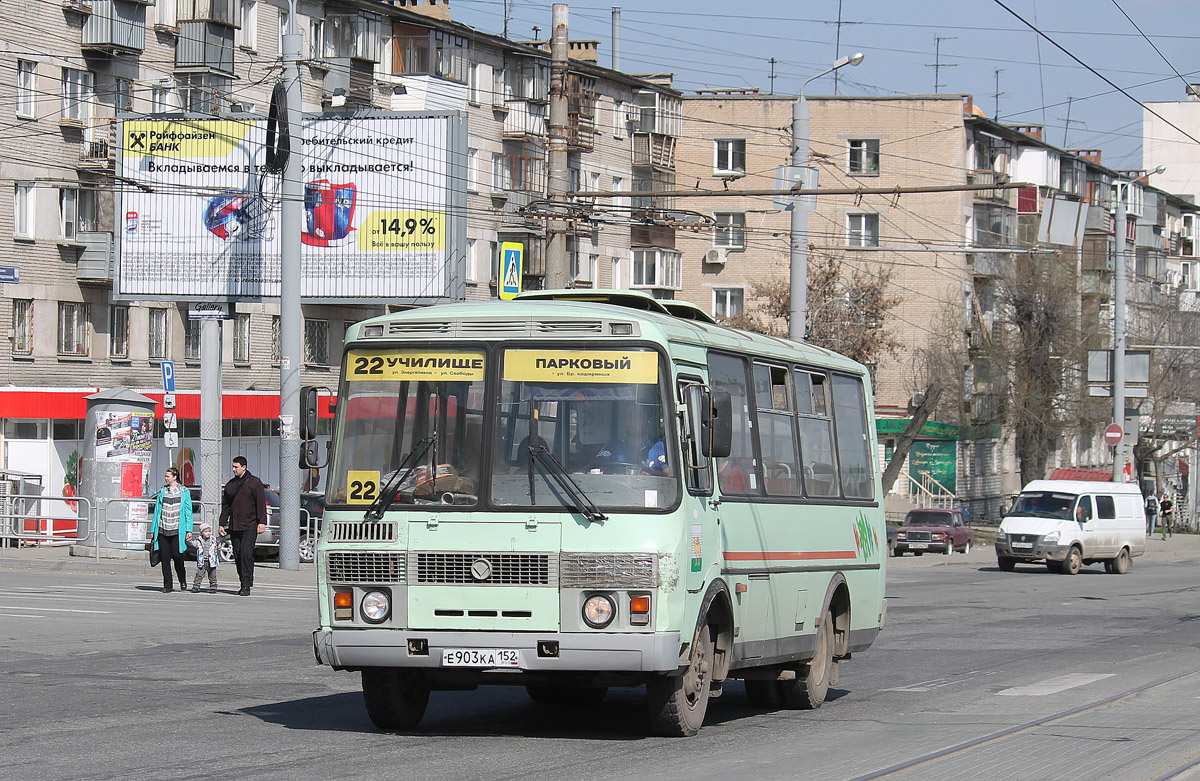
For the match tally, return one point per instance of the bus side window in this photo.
(819, 466)
(854, 455)
(736, 474)
(776, 432)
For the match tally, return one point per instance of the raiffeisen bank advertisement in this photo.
(383, 213)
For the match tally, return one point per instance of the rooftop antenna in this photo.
(772, 76)
(996, 95)
(837, 46)
(536, 29)
(937, 61)
(508, 9)
(1067, 122)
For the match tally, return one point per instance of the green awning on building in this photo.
(890, 427)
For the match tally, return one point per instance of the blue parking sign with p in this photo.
(168, 372)
(511, 257)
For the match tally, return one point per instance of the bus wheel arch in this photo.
(837, 604)
(716, 610)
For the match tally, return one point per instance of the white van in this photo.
(1069, 523)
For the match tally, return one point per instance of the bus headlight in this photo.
(375, 607)
(599, 611)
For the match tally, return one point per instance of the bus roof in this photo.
(565, 314)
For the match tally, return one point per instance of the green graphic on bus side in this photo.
(864, 536)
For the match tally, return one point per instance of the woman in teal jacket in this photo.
(172, 528)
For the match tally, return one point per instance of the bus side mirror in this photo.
(309, 455)
(718, 426)
(308, 412)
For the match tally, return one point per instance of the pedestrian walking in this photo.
(207, 559)
(172, 528)
(1166, 510)
(243, 518)
(1151, 512)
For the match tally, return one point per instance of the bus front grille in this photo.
(366, 567)
(362, 531)
(484, 569)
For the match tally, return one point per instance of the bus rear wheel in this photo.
(808, 689)
(395, 699)
(678, 703)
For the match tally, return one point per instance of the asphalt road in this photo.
(978, 674)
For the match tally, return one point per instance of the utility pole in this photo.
(798, 240)
(1118, 369)
(937, 61)
(1067, 121)
(771, 76)
(556, 242)
(837, 46)
(291, 321)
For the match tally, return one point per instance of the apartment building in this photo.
(79, 64)
(946, 252)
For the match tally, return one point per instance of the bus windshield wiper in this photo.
(556, 470)
(387, 493)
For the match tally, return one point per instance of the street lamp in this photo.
(798, 304)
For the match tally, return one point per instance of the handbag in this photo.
(155, 553)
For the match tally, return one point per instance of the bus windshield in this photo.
(411, 420)
(595, 417)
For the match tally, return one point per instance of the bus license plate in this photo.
(1022, 544)
(480, 657)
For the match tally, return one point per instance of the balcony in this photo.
(95, 256)
(525, 119)
(990, 264)
(354, 78)
(205, 46)
(984, 176)
(99, 144)
(654, 150)
(114, 27)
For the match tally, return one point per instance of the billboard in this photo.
(383, 213)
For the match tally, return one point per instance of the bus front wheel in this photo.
(677, 703)
(808, 689)
(395, 699)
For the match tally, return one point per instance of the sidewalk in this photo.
(59, 559)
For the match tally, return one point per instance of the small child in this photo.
(207, 559)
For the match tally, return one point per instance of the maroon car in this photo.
(936, 531)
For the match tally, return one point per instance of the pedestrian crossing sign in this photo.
(512, 255)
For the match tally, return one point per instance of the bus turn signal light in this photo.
(343, 605)
(639, 610)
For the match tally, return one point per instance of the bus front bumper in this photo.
(591, 651)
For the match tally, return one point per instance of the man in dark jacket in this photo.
(244, 513)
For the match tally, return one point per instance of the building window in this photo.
(72, 328)
(241, 337)
(122, 94)
(165, 13)
(862, 230)
(23, 210)
(727, 302)
(164, 99)
(276, 336)
(995, 226)
(22, 326)
(68, 212)
(191, 340)
(157, 334)
(864, 156)
(77, 94)
(203, 93)
(26, 88)
(247, 36)
(118, 331)
(619, 119)
(731, 230)
(316, 342)
(473, 170)
(730, 156)
(659, 268)
(522, 167)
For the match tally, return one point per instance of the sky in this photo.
(711, 44)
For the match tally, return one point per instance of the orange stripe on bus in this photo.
(790, 555)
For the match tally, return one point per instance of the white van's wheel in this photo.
(1073, 562)
(1120, 564)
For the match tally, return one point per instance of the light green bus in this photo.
(577, 490)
